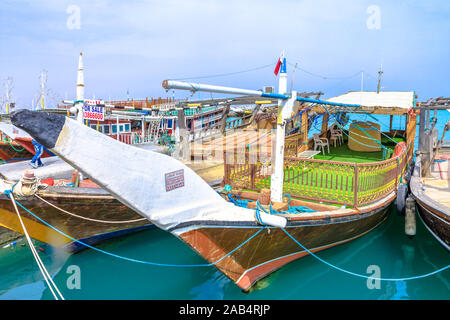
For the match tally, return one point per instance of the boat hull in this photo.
(434, 214)
(99, 207)
(27, 144)
(272, 248)
(7, 153)
(435, 222)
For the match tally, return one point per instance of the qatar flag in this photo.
(279, 62)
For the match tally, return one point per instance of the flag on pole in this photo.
(279, 63)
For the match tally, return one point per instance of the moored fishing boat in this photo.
(430, 182)
(21, 146)
(250, 232)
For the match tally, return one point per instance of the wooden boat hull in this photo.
(7, 152)
(435, 222)
(28, 145)
(273, 248)
(100, 206)
(434, 214)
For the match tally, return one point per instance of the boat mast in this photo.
(8, 89)
(43, 80)
(276, 180)
(379, 78)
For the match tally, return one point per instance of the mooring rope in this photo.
(235, 249)
(86, 218)
(361, 275)
(48, 279)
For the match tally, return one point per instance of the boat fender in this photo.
(410, 217)
(402, 193)
(273, 220)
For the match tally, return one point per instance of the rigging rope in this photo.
(86, 218)
(321, 76)
(226, 74)
(6, 140)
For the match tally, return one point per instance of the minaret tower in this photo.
(80, 89)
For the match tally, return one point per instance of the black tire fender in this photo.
(402, 193)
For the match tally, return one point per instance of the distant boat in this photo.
(16, 144)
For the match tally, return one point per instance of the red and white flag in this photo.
(279, 62)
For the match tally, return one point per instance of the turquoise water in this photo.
(386, 249)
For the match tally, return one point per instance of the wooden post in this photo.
(225, 113)
(252, 176)
(304, 131)
(255, 111)
(324, 123)
(391, 118)
(355, 201)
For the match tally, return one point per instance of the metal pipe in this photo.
(181, 85)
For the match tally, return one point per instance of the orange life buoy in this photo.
(399, 147)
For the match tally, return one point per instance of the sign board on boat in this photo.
(93, 102)
(94, 112)
(174, 180)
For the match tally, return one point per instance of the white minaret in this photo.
(80, 89)
(80, 78)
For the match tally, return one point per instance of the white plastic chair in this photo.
(321, 142)
(336, 135)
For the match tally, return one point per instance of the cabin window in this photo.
(120, 127)
(127, 127)
(93, 126)
(106, 129)
(114, 128)
(169, 123)
(188, 124)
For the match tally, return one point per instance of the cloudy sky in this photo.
(134, 45)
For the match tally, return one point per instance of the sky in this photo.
(134, 45)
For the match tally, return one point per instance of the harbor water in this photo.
(385, 252)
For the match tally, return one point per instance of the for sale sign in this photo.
(94, 112)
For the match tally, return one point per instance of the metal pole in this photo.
(277, 178)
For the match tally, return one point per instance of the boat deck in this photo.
(438, 186)
(343, 153)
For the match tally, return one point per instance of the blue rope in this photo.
(238, 202)
(360, 275)
(17, 159)
(131, 259)
(291, 209)
(7, 192)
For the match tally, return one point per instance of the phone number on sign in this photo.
(93, 115)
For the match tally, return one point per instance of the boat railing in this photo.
(343, 183)
(132, 138)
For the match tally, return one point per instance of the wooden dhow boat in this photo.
(17, 144)
(430, 182)
(245, 240)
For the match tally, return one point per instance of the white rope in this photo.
(48, 279)
(86, 218)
